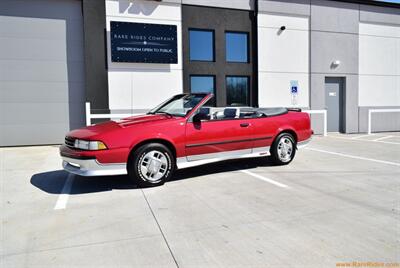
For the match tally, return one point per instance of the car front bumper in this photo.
(90, 167)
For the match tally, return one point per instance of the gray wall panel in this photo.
(327, 47)
(23, 134)
(317, 101)
(70, 9)
(27, 91)
(30, 70)
(41, 28)
(376, 14)
(95, 55)
(380, 121)
(40, 50)
(334, 16)
(32, 113)
(351, 104)
(294, 7)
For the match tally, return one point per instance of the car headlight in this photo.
(89, 145)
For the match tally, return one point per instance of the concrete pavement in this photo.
(341, 204)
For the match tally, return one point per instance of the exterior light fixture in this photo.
(283, 27)
(335, 64)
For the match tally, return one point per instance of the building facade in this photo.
(126, 56)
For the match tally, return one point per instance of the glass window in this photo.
(236, 47)
(201, 45)
(237, 90)
(202, 84)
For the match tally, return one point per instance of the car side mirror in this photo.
(200, 116)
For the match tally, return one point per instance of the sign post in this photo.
(294, 91)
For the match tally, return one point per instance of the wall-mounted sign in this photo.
(294, 90)
(143, 42)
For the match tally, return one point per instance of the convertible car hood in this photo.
(140, 119)
(91, 132)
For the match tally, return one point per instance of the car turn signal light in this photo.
(89, 145)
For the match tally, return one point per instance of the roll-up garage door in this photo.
(41, 70)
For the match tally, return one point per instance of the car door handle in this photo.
(244, 124)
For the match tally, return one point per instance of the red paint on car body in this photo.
(186, 137)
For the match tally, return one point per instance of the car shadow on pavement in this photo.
(221, 167)
(52, 182)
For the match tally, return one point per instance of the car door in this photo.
(219, 138)
(264, 129)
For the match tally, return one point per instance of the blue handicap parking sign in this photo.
(294, 87)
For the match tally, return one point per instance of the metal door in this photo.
(333, 101)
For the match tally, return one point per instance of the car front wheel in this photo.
(283, 149)
(151, 165)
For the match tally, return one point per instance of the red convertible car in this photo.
(183, 132)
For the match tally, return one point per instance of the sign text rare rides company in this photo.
(143, 42)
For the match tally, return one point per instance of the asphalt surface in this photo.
(337, 202)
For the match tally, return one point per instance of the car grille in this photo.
(69, 141)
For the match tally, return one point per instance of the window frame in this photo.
(248, 88)
(213, 43)
(248, 46)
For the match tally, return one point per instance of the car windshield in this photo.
(179, 105)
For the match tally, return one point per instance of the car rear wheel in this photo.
(283, 149)
(151, 165)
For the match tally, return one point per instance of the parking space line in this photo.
(264, 179)
(355, 157)
(362, 140)
(362, 136)
(64, 195)
(383, 138)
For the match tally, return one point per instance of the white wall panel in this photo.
(378, 55)
(158, 90)
(121, 97)
(143, 85)
(379, 81)
(143, 9)
(398, 55)
(287, 52)
(276, 21)
(379, 30)
(274, 90)
(235, 4)
(379, 90)
(283, 56)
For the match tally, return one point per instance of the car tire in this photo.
(151, 165)
(283, 149)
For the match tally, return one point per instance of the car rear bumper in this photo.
(90, 167)
(304, 143)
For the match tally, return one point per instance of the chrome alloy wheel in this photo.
(153, 166)
(285, 149)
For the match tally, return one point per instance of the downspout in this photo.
(255, 55)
